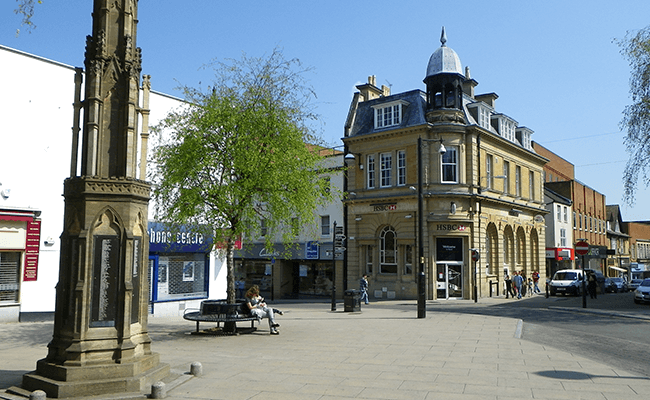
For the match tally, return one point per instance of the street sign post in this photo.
(582, 248)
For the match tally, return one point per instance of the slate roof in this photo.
(413, 114)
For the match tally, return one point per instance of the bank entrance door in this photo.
(449, 267)
(449, 277)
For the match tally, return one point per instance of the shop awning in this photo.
(618, 269)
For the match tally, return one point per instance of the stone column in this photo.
(100, 343)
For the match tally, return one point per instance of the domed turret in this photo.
(444, 59)
(444, 82)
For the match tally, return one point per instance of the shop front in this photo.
(20, 231)
(301, 271)
(179, 266)
(558, 258)
(449, 268)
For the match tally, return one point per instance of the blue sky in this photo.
(553, 63)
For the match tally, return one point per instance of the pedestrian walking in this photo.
(509, 290)
(363, 288)
(536, 282)
(519, 283)
(592, 283)
(241, 288)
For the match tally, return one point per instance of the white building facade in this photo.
(37, 104)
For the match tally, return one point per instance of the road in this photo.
(597, 332)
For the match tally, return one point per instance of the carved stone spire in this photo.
(100, 343)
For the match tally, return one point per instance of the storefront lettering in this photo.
(266, 253)
(450, 227)
(385, 207)
(180, 237)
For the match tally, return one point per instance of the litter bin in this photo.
(351, 300)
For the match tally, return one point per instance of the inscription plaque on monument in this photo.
(105, 280)
(135, 279)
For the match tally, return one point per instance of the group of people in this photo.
(518, 286)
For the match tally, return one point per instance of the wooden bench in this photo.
(219, 311)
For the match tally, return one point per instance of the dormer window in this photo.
(481, 113)
(524, 137)
(388, 114)
(505, 126)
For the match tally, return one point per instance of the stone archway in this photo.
(521, 253)
(508, 249)
(492, 249)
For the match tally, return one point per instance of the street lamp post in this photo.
(422, 312)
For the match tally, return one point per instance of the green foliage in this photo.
(26, 9)
(636, 117)
(238, 153)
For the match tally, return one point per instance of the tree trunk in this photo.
(230, 277)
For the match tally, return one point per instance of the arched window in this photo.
(388, 254)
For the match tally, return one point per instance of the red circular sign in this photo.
(582, 248)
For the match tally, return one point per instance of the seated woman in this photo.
(259, 308)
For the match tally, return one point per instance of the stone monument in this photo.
(100, 343)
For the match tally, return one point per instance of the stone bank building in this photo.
(481, 188)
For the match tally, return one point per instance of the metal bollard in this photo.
(547, 290)
(158, 390)
(490, 288)
(37, 395)
(196, 369)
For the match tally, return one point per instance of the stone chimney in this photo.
(469, 84)
(370, 90)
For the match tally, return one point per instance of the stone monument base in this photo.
(60, 381)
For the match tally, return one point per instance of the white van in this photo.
(566, 281)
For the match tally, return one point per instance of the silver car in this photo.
(642, 293)
(634, 283)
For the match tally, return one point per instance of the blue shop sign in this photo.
(311, 251)
(166, 238)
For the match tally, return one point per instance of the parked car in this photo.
(642, 293)
(633, 284)
(621, 285)
(610, 286)
(566, 281)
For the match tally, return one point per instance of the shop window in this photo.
(182, 276)
(388, 252)
(9, 277)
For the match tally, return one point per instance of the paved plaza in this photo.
(382, 352)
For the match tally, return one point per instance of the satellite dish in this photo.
(539, 218)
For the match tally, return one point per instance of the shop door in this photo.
(449, 281)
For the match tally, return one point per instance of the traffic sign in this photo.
(475, 255)
(582, 248)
